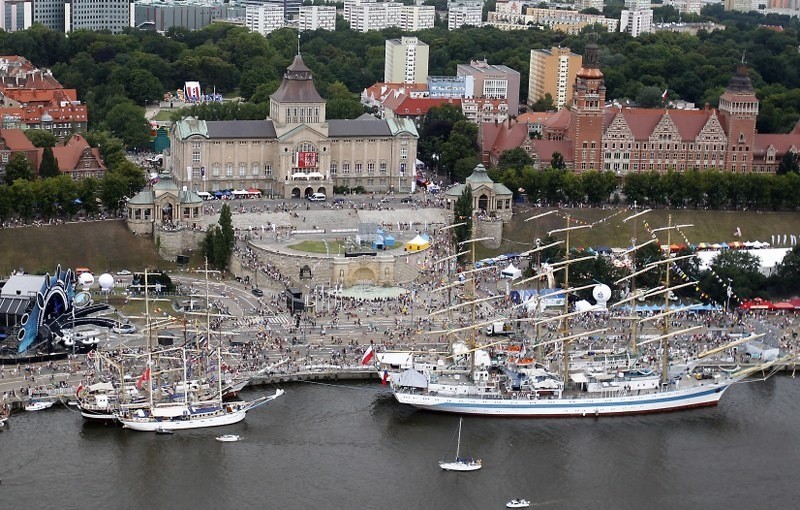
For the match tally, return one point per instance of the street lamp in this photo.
(729, 293)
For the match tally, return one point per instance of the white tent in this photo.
(511, 272)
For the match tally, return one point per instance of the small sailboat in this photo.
(518, 503)
(460, 464)
(228, 438)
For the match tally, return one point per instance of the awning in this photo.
(579, 377)
(315, 175)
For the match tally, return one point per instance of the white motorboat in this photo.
(228, 438)
(460, 463)
(39, 405)
(164, 431)
(518, 503)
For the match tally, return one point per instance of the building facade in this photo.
(553, 72)
(451, 86)
(297, 151)
(264, 18)
(459, 14)
(590, 136)
(161, 16)
(49, 13)
(16, 14)
(112, 15)
(317, 17)
(637, 19)
(406, 61)
(493, 82)
(414, 18)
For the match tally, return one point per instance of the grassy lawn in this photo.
(163, 115)
(709, 227)
(335, 247)
(101, 246)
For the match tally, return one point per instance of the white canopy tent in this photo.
(511, 272)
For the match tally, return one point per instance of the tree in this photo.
(343, 109)
(649, 97)
(790, 163)
(41, 138)
(738, 267)
(557, 161)
(516, 159)
(544, 104)
(785, 280)
(18, 168)
(126, 121)
(49, 165)
(462, 213)
(219, 240)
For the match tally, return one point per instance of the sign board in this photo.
(306, 160)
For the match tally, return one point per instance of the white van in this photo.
(205, 195)
(317, 197)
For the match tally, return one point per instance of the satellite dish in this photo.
(85, 279)
(601, 293)
(106, 282)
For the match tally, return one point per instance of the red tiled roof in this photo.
(545, 149)
(33, 115)
(16, 140)
(559, 120)
(782, 143)
(381, 90)
(534, 117)
(69, 155)
(500, 137)
(420, 106)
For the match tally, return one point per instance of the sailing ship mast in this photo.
(665, 327)
(565, 322)
(632, 251)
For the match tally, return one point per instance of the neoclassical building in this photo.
(164, 205)
(491, 198)
(297, 151)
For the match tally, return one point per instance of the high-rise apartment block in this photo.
(553, 72)
(316, 17)
(366, 15)
(464, 12)
(264, 18)
(406, 61)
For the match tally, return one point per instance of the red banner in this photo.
(306, 160)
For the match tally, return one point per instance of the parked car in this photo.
(407, 200)
(317, 197)
(124, 272)
(257, 292)
(339, 200)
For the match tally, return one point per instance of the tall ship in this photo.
(508, 384)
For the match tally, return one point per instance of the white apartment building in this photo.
(263, 18)
(589, 4)
(636, 22)
(417, 17)
(406, 61)
(459, 15)
(366, 15)
(112, 15)
(315, 17)
(686, 6)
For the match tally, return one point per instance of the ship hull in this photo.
(152, 425)
(675, 400)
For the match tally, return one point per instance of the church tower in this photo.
(738, 111)
(296, 101)
(587, 111)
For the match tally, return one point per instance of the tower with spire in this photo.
(297, 101)
(587, 111)
(738, 111)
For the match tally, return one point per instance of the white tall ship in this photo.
(513, 387)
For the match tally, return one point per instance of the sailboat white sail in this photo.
(460, 463)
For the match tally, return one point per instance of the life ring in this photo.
(24, 319)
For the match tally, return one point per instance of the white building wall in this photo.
(263, 18)
(460, 15)
(315, 17)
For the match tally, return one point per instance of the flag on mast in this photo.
(664, 95)
(367, 355)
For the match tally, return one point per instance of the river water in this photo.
(352, 446)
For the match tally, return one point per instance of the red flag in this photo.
(144, 377)
(78, 391)
(367, 356)
(385, 377)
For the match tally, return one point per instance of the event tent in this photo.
(418, 244)
(511, 272)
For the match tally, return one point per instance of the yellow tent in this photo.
(418, 244)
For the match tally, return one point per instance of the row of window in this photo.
(675, 156)
(670, 146)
